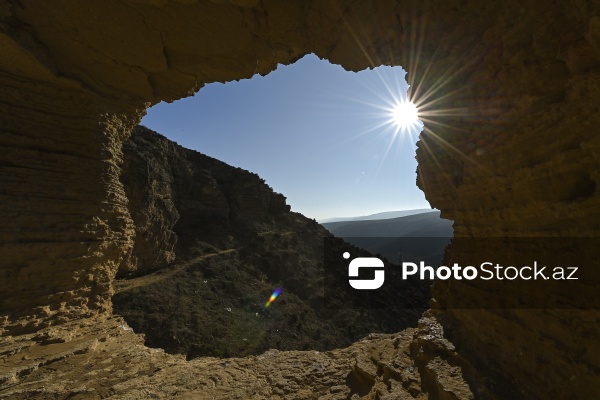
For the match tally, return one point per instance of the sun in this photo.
(405, 114)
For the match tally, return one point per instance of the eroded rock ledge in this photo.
(104, 359)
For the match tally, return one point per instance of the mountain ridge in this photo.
(376, 216)
(427, 224)
(416, 237)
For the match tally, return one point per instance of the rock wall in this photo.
(515, 153)
(65, 221)
(520, 159)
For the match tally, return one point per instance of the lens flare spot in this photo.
(274, 296)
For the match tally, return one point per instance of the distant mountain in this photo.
(428, 224)
(415, 237)
(381, 215)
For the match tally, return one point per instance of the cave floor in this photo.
(102, 358)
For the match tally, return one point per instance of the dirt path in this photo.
(121, 285)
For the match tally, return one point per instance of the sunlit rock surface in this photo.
(515, 153)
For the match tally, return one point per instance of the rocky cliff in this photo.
(177, 196)
(511, 151)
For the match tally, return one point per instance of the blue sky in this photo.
(316, 133)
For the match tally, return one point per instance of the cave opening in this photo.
(213, 238)
(73, 84)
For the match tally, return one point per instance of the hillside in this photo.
(212, 242)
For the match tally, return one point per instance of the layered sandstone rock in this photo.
(517, 155)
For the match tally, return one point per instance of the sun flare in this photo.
(405, 114)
